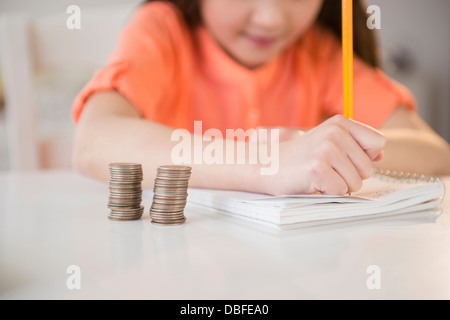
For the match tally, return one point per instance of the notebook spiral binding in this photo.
(409, 177)
(406, 176)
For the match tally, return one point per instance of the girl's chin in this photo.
(252, 59)
(254, 63)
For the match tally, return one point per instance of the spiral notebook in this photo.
(385, 193)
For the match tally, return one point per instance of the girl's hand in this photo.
(332, 158)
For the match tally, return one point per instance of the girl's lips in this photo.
(261, 41)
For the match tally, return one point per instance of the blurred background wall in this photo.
(56, 84)
(414, 39)
(415, 42)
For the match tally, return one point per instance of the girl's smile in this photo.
(260, 41)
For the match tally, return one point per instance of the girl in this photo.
(245, 64)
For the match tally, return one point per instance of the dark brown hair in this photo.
(364, 40)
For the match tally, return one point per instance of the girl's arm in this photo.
(111, 130)
(332, 158)
(411, 145)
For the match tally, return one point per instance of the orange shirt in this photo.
(175, 76)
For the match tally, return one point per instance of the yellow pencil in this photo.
(347, 56)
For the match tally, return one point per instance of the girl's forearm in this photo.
(415, 151)
(131, 139)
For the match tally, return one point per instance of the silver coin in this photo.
(126, 176)
(124, 205)
(163, 213)
(124, 200)
(165, 218)
(123, 209)
(170, 195)
(128, 203)
(175, 185)
(170, 189)
(170, 205)
(124, 169)
(165, 198)
(171, 182)
(180, 174)
(169, 223)
(170, 167)
(167, 210)
(163, 176)
(163, 205)
(172, 179)
(121, 170)
(120, 165)
(119, 211)
(115, 213)
(130, 175)
(160, 217)
(126, 191)
(127, 208)
(121, 182)
(125, 185)
(126, 196)
(177, 202)
(168, 199)
(122, 215)
(112, 217)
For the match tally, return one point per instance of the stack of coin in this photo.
(170, 195)
(125, 191)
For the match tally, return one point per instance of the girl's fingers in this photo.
(359, 159)
(370, 140)
(348, 172)
(327, 181)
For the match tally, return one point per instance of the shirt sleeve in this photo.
(375, 95)
(141, 66)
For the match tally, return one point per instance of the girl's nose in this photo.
(268, 16)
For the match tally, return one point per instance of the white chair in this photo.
(44, 64)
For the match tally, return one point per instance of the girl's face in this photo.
(254, 31)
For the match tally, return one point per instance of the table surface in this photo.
(52, 220)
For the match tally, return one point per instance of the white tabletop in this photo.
(52, 220)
